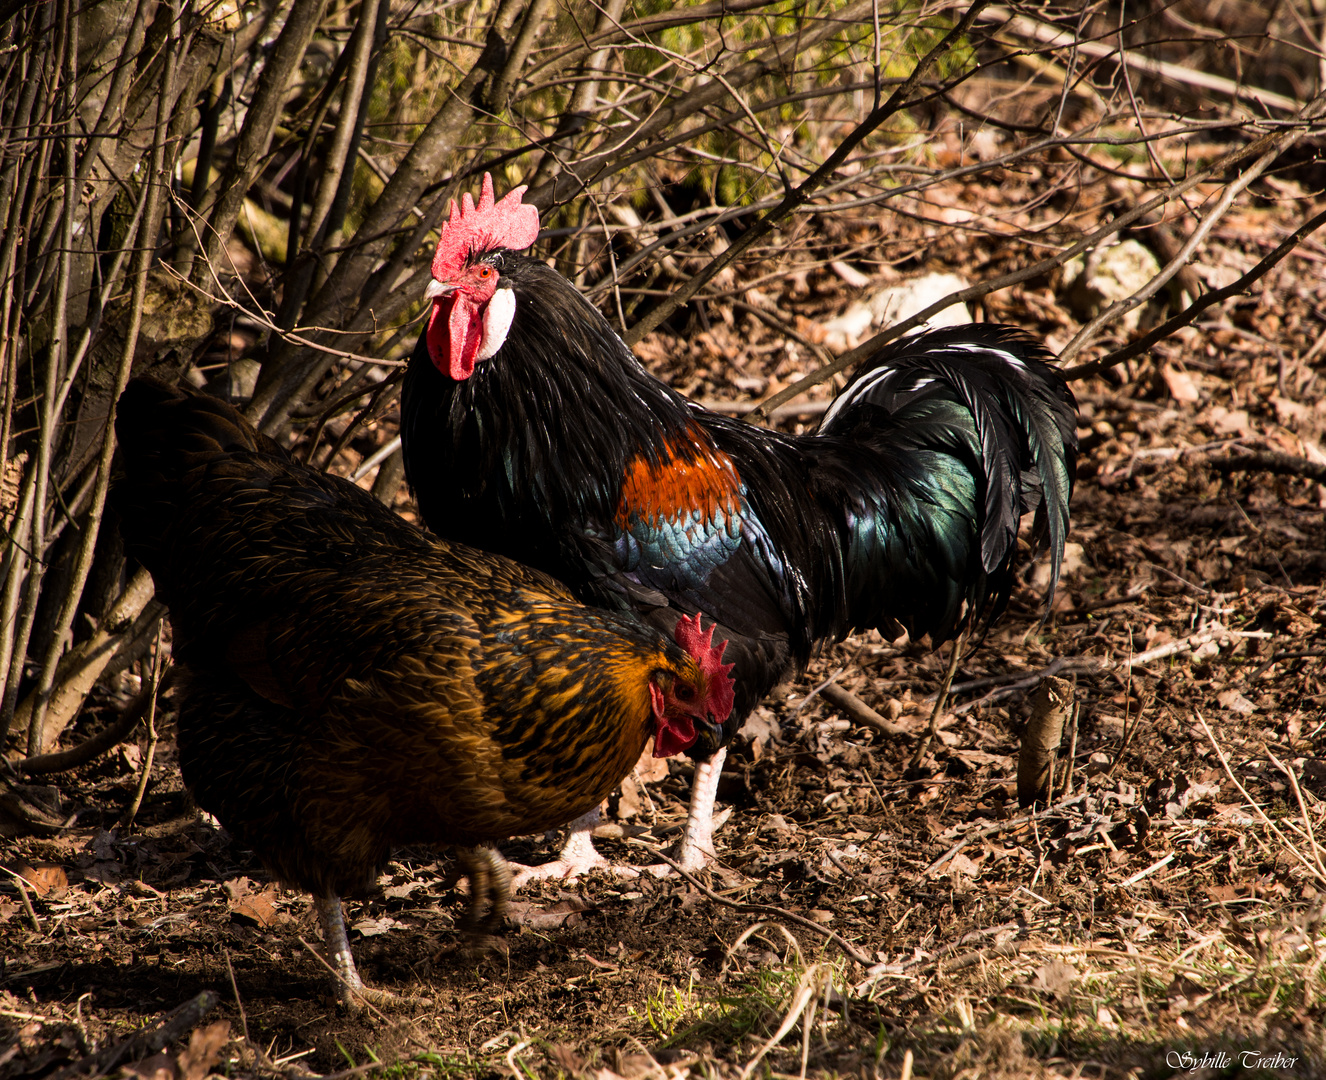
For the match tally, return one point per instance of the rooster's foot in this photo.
(578, 856)
(694, 851)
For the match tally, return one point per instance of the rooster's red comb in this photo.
(506, 224)
(699, 644)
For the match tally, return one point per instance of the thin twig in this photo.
(1270, 461)
(171, 1027)
(868, 349)
(807, 187)
(132, 810)
(112, 735)
(941, 699)
(1291, 654)
(239, 1004)
(1056, 38)
(1206, 300)
(762, 909)
(23, 896)
(858, 710)
(1001, 827)
(1158, 865)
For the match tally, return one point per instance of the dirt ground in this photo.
(1163, 916)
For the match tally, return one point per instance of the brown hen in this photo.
(350, 683)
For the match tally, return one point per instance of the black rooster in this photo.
(529, 428)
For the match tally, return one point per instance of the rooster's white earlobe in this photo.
(497, 318)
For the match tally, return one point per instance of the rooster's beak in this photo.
(436, 289)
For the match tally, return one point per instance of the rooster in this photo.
(352, 683)
(530, 429)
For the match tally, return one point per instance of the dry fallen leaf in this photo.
(45, 878)
(1181, 385)
(372, 927)
(1236, 702)
(1055, 977)
(629, 804)
(960, 864)
(649, 769)
(204, 1050)
(157, 1067)
(255, 907)
(537, 917)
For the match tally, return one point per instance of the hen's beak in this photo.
(708, 738)
(436, 289)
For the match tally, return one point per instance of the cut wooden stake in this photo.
(1050, 706)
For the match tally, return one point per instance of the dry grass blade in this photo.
(1311, 865)
(807, 989)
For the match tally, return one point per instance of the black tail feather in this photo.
(975, 407)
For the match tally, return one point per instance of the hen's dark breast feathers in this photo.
(351, 683)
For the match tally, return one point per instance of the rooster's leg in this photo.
(577, 856)
(692, 852)
(350, 989)
(696, 847)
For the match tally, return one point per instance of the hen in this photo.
(351, 683)
(529, 428)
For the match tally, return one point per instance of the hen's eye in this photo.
(485, 272)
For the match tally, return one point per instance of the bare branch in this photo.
(869, 348)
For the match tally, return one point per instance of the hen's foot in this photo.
(351, 993)
(490, 890)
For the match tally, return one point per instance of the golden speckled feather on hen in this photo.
(351, 684)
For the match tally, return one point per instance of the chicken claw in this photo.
(490, 890)
(693, 851)
(351, 993)
(578, 856)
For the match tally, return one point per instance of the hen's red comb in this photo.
(699, 643)
(506, 224)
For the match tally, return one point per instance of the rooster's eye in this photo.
(685, 691)
(485, 272)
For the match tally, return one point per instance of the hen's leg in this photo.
(350, 989)
(490, 889)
